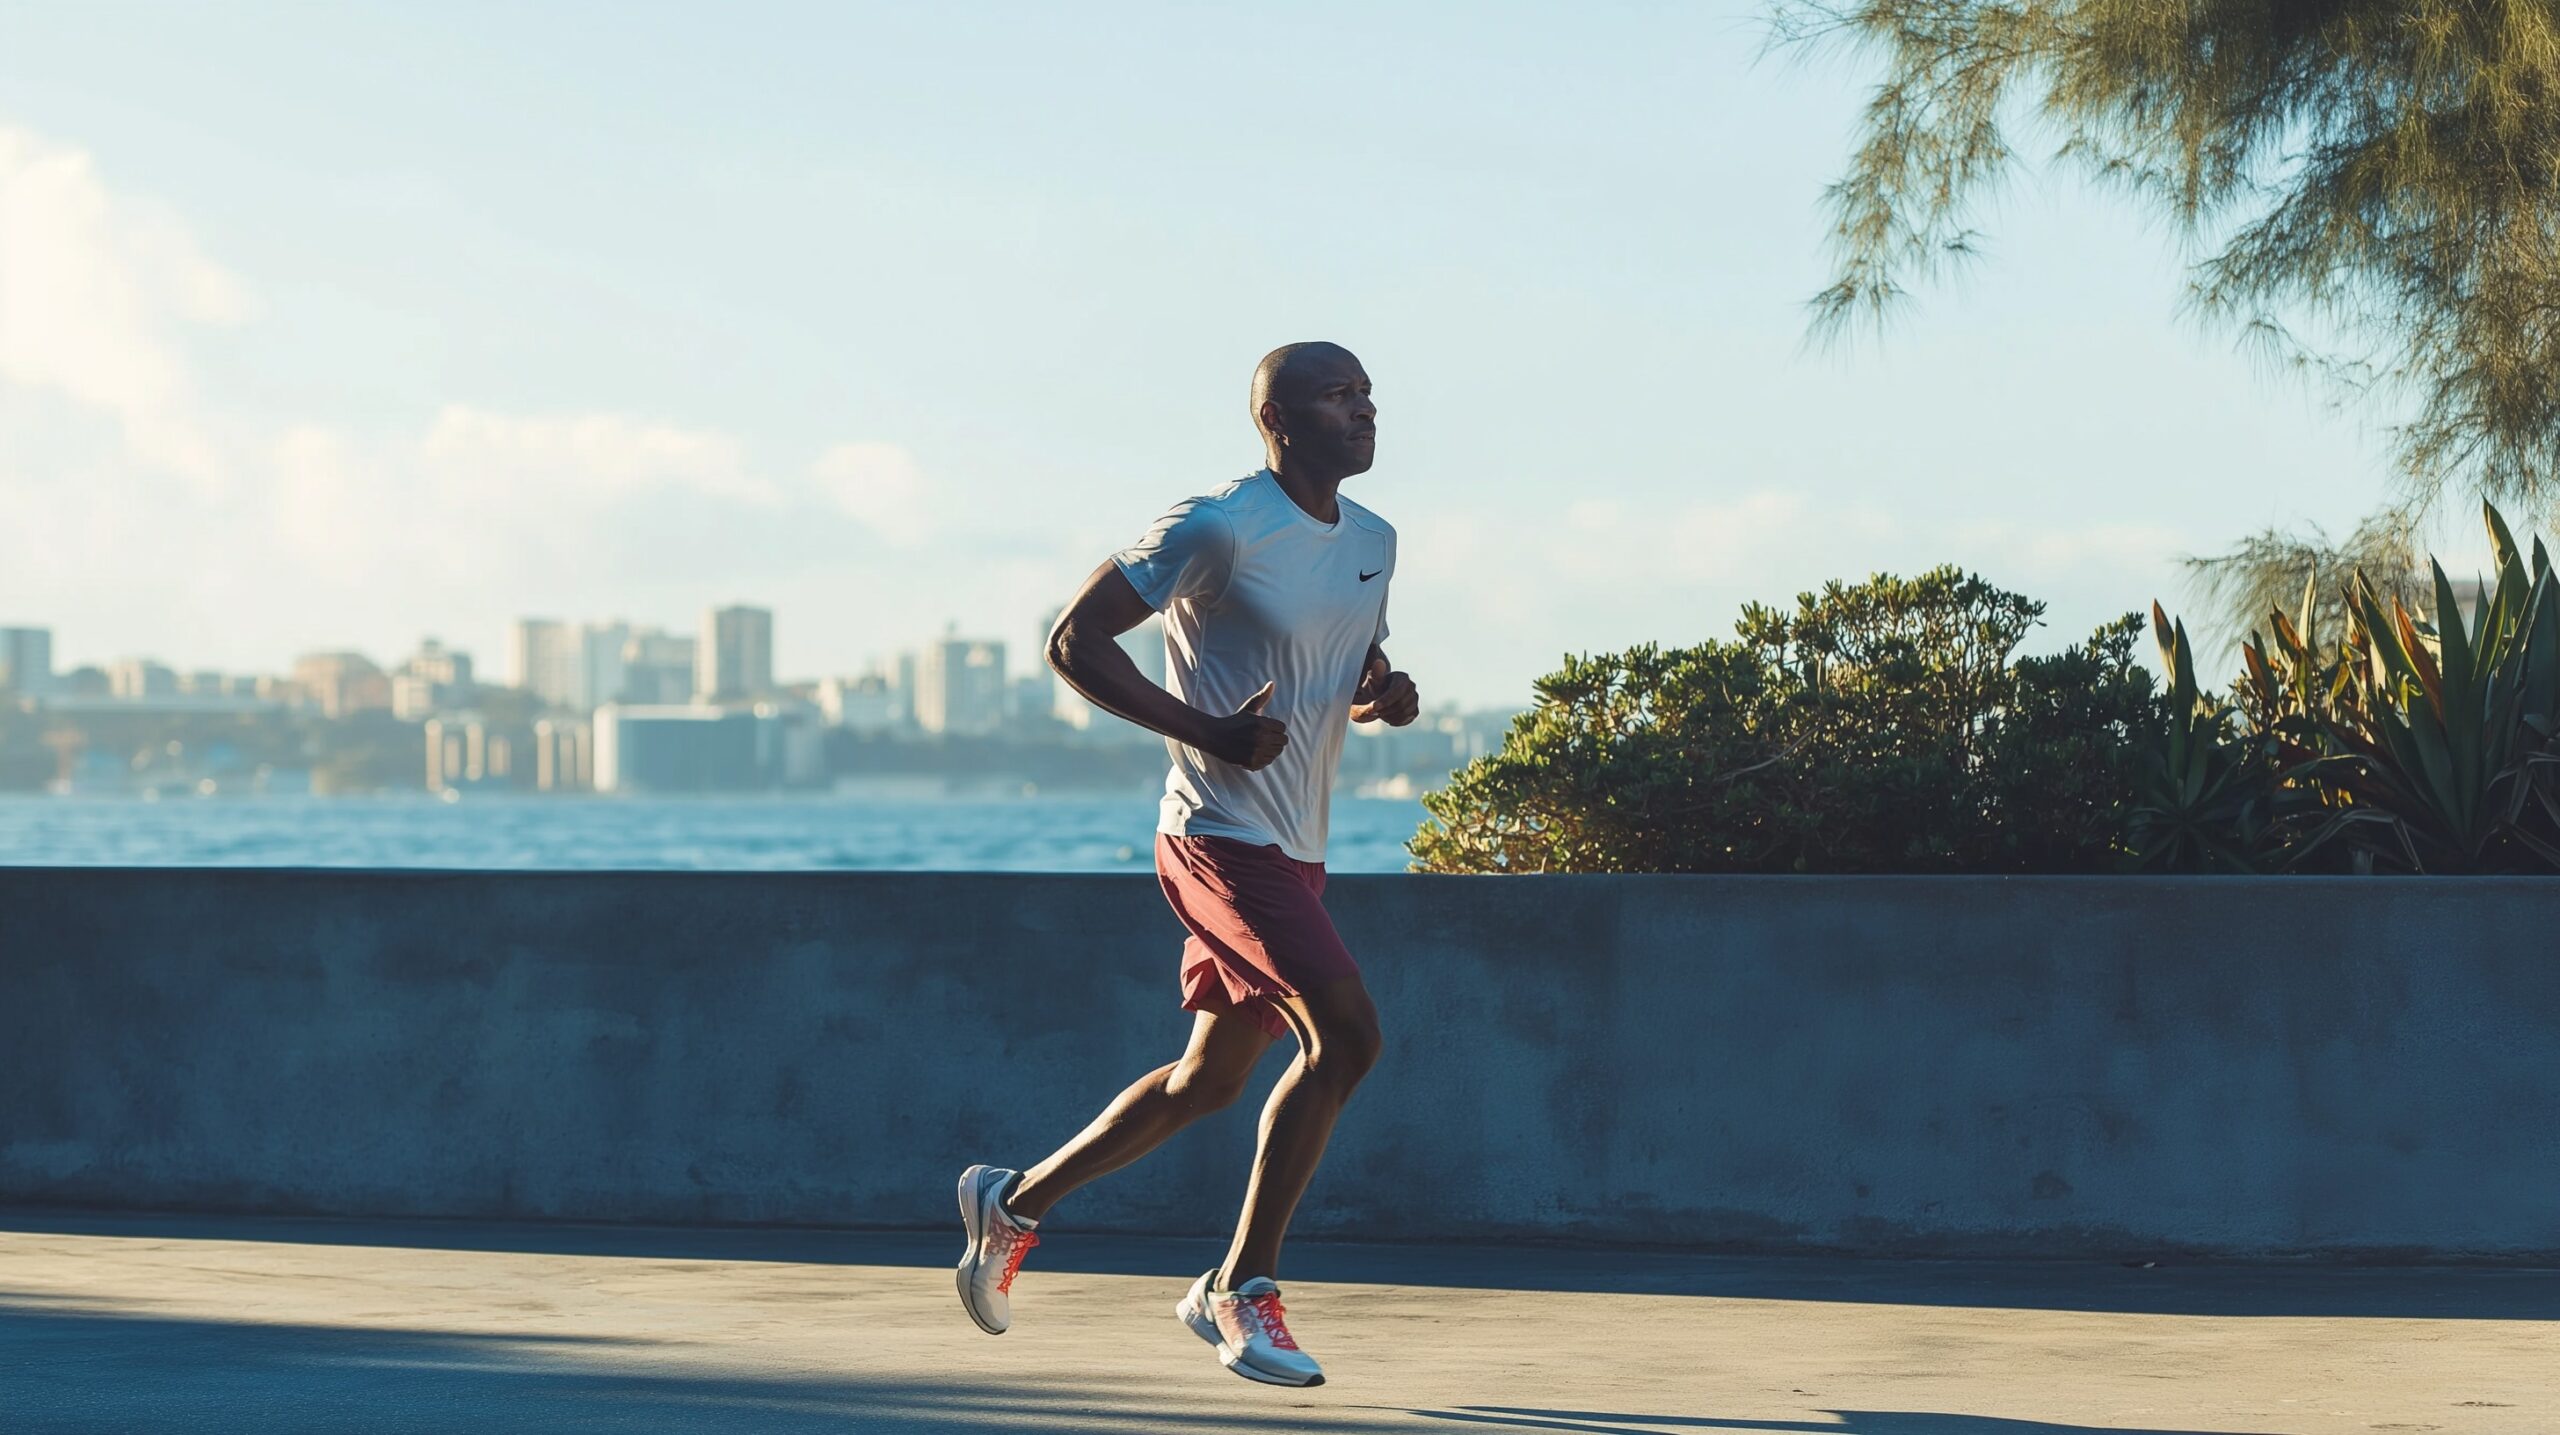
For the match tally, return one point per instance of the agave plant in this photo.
(2431, 746)
(2208, 793)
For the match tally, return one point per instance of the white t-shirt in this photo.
(1255, 590)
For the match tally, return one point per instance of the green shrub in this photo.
(1878, 727)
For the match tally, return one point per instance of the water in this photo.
(1037, 834)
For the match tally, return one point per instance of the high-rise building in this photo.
(577, 667)
(600, 664)
(26, 661)
(902, 682)
(546, 661)
(657, 668)
(960, 686)
(735, 659)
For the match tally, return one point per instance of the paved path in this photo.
(207, 1326)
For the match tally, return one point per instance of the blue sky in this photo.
(327, 327)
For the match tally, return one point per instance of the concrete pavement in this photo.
(148, 1323)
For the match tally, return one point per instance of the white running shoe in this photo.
(997, 1241)
(1245, 1325)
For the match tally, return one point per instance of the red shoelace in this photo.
(1021, 1242)
(1267, 1306)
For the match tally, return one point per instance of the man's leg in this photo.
(1338, 1041)
(1211, 1074)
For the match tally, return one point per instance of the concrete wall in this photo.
(2054, 1065)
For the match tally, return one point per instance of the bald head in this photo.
(1289, 374)
(1311, 402)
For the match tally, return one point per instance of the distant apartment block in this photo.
(26, 661)
(866, 704)
(735, 658)
(140, 679)
(578, 667)
(545, 655)
(602, 673)
(960, 686)
(440, 665)
(342, 683)
(657, 668)
(703, 748)
(435, 679)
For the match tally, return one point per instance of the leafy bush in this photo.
(1878, 727)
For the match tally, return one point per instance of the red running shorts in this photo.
(1258, 927)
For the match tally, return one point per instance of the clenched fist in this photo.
(1386, 696)
(1247, 738)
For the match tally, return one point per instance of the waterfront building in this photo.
(735, 659)
(342, 683)
(694, 748)
(546, 661)
(465, 752)
(866, 704)
(26, 661)
(564, 755)
(657, 668)
(138, 678)
(960, 686)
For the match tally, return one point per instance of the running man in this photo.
(1274, 595)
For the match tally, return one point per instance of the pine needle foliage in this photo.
(2270, 570)
(2383, 171)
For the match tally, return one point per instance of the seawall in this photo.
(2349, 1068)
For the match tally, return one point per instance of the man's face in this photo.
(1330, 422)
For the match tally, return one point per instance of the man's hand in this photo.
(1385, 695)
(1247, 739)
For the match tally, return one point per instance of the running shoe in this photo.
(1245, 1325)
(997, 1241)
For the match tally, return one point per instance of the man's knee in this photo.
(1205, 1088)
(1344, 1052)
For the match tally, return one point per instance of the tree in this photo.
(2382, 172)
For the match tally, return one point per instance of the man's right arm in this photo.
(1084, 650)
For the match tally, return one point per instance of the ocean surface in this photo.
(1028, 834)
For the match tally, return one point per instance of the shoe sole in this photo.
(973, 1220)
(1202, 1326)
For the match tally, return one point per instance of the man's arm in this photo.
(1084, 650)
(1385, 695)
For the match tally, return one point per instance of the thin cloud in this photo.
(95, 291)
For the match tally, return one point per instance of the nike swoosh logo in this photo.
(1365, 577)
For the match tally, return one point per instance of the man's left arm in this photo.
(1384, 695)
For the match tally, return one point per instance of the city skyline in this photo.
(351, 357)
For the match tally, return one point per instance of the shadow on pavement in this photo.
(88, 1366)
(2341, 1291)
(1847, 1422)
